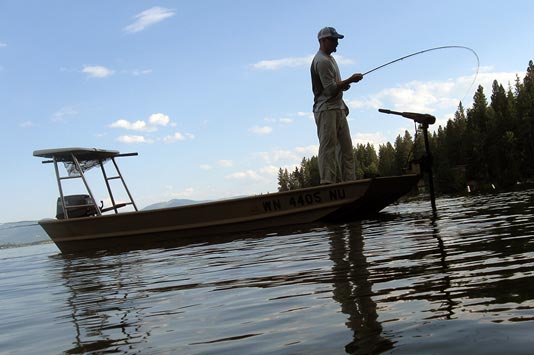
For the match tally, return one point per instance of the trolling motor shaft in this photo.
(425, 120)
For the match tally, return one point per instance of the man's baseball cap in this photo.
(328, 32)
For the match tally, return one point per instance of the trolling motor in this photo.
(426, 162)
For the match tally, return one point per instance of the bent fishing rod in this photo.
(425, 51)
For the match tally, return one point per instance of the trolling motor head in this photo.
(423, 118)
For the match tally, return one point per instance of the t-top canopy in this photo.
(82, 154)
(87, 158)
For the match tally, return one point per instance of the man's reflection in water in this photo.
(353, 290)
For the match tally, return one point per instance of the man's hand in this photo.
(356, 77)
(345, 84)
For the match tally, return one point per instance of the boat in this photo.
(81, 224)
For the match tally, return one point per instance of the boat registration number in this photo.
(301, 200)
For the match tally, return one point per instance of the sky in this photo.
(215, 96)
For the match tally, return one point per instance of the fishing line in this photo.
(430, 50)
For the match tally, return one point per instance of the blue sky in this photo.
(215, 96)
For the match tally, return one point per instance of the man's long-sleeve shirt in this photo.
(325, 75)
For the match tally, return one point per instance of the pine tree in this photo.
(387, 165)
(311, 172)
(525, 118)
(477, 120)
(452, 159)
(283, 180)
(502, 144)
(403, 151)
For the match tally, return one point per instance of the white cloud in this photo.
(134, 126)
(308, 115)
(187, 192)
(342, 60)
(158, 119)
(375, 139)
(309, 150)
(486, 69)
(430, 96)
(276, 64)
(293, 156)
(270, 170)
(226, 163)
(372, 102)
(177, 136)
(2, 45)
(154, 120)
(153, 124)
(97, 71)
(148, 18)
(261, 130)
(266, 173)
(63, 113)
(138, 72)
(133, 139)
(293, 62)
(486, 79)
(26, 124)
(421, 96)
(248, 174)
(285, 120)
(205, 167)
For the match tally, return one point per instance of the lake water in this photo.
(404, 283)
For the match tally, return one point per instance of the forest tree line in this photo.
(491, 143)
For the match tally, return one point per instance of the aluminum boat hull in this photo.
(340, 202)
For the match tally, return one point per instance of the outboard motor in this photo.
(77, 206)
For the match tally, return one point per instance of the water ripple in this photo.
(407, 282)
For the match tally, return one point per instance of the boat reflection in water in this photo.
(129, 301)
(104, 302)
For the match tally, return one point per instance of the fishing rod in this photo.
(425, 51)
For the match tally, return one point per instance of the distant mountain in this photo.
(172, 203)
(21, 233)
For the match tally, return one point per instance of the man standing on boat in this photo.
(330, 110)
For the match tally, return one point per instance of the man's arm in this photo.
(327, 76)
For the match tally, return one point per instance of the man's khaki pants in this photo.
(335, 146)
